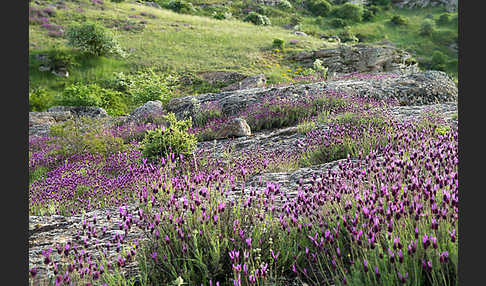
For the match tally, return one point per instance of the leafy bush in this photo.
(427, 28)
(350, 11)
(180, 6)
(39, 100)
(285, 4)
(85, 134)
(379, 2)
(317, 66)
(347, 36)
(444, 19)
(175, 139)
(93, 39)
(61, 59)
(257, 19)
(93, 95)
(295, 20)
(438, 61)
(319, 7)
(398, 20)
(149, 86)
(370, 12)
(278, 44)
(338, 23)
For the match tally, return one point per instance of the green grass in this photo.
(172, 42)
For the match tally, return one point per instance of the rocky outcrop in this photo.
(248, 82)
(150, 111)
(238, 127)
(419, 88)
(449, 5)
(360, 58)
(41, 122)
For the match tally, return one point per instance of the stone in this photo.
(298, 33)
(153, 4)
(81, 111)
(222, 77)
(149, 111)
(248, 82)
(360, 58)
(238, 127)
(43, 68)
(414, 88)
(449, 5)
(60, 73)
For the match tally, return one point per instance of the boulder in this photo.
(236, 128)
(81, 111)
(418, 88)
(449, 5)
(248, 82)
(299, 33)
(150, 111)
(360, 58)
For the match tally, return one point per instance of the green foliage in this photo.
(39, 100)
(285, 5)
(379, 2)
(427, 28)
(149, 86)
(93, 95)
(257, 19)
(61, 59)
(180, 6)
(175, 139)
(444, 19)
(36, 174)
(94, 39)
(338, 23)
(350, 12)
(370, 12)
(85, 134)
(278, 44)
(319, 7)
(398, 20)
(306, 126)
(347, 36)
(295, 19)
(438, 61)
(319, 68)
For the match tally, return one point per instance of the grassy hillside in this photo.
(194, 41)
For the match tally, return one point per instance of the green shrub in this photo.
(39, 100)
(350, 12)
(61, 59)
(257, 19)
(93, 39)
(347, 36)
(295, 20)
(338, 23)
(319, 7)
(438, 61)
(81, 95)
(445, 37)
(398, 20)
(93, 95)
(175, 139)
(149, 86)
(285, 5)
(380, 2)
(180, 6)
(278, 44)
(427, 28)
(370, 12)
(85, 134)
(444, 19)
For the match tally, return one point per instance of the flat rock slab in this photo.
(422, 88)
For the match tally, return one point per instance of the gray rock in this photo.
(360, 58)
(60, 73)
(236, 128)
(449, 5)
(298, 33)
(248, 82)
(150, 111)
(81, 111)
(152, 4)
(43, 68)
(418, 88)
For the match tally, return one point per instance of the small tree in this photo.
(427, 28)
(319, 7)
(350, 12)
(93, 39)
(175, 139)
